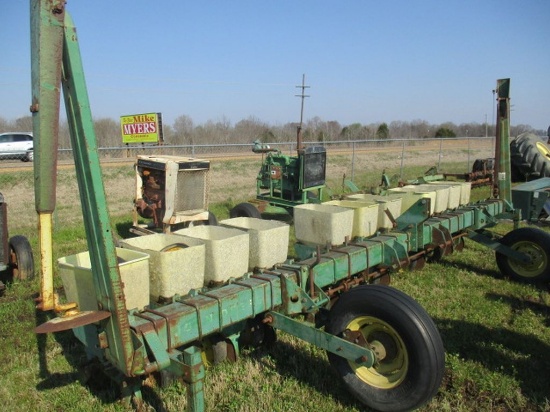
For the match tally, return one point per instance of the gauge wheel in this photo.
(217, 349)
(245, 210)
(533, 242)
(530, 157)
(21, 260)
(409, 353)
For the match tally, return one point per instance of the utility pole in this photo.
(299, 146)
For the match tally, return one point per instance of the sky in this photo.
(364, 61)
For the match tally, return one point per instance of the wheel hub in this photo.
(537, 264)
(383, 346)
(392, 360)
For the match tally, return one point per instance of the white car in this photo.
(16, 145)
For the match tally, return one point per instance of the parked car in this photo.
(16, 145)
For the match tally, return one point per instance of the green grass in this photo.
(496, 332)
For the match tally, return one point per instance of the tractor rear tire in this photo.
(410, 355)
(530, 157)
(20, 260)
(533, 242)
(245, 210)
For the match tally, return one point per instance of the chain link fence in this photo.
(343, 157)
(234, 169)
(470, 148)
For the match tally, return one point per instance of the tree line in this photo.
(184, 131)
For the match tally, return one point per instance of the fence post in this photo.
(440, 147)
(402, 160)
(352, 161)
(468, 169)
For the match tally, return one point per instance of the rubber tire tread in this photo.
(24, 259)
(416, 329)
(245, 209)
(531, 234)
(526, 158)
(212, 219)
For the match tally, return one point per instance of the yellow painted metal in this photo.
(539, 259)
(48, 299)
(392, 359)
(543, 149)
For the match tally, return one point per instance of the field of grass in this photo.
(496, 332)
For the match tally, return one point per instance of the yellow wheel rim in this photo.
(392, 360)
(543, 149)
(539, 260)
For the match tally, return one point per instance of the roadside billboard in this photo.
(141, 128)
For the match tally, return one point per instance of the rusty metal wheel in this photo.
(458, 244)
(217, 349)
(417, 264)
(21, 263)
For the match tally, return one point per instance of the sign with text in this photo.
(141, 128)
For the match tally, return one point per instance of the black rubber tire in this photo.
(245, 210)
(413, 337)
(21, 260)
(483, 165)
(29, 157)
(212, 219)
(534, 242)
(530, 156)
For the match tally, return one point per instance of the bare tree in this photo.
(333, 129)
(107, 132)
(183, 130)
(4, 125)
(287, 132)
(64, 135)
(519, 129)
(24, 124)
(168, 134)
(353, 131)
(224, 131)
(399, 129)
(420, 129)
(248, 130)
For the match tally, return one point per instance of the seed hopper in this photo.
(381, 342)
